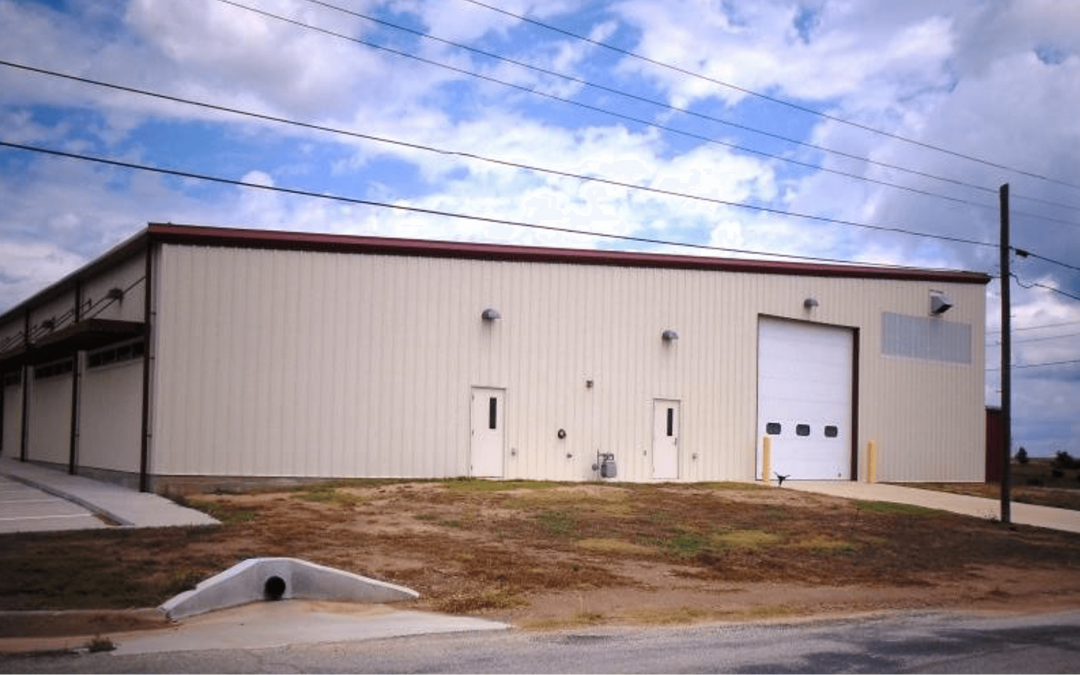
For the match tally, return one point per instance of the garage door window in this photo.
(773, 428)
(802, 430)
(831, 431)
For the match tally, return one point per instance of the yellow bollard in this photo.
(766, 460)
(871, 462)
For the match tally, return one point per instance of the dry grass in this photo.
(485, 546)
(617, 546)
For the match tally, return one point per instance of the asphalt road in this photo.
(928, 642)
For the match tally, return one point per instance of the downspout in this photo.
(24, 432)
(144, 454)
(74, 439)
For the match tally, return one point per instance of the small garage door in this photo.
(804, 398)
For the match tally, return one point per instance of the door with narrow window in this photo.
(486, 445)
(665, 452)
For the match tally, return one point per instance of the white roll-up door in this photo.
(804, 398)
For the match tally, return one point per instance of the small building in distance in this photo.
(189, 357)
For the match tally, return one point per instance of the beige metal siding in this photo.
(128, 277)
(320, 364)
(12, 441)
(59, 310)
(11, 334)
(110, 416)
(49, 439)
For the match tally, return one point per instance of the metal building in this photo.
(192, 355)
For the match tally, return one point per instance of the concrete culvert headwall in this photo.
(259, 579)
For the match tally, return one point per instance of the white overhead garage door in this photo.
(804, 398)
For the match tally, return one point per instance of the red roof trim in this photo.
(337, 243)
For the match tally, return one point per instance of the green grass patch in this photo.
(730, 485)
(557, 523)
(775, 512)
(745, 539)
(326, 494)
(478, 485)
(825, 545)
(893, 507)
(228, 515)
(615, 546)
(611, 501)
(687, 544)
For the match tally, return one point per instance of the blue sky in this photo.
(993, 79)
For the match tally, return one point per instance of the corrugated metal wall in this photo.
(12, 440)
(110, 416)
(49, 439)
(320, 364)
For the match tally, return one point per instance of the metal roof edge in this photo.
(200, 235)
(343, 243)
(121, 251)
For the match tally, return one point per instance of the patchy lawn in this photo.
(549, 554)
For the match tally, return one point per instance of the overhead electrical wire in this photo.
(1038, 339)
(685, 111)
(773, 99)
(1023, 253)
(1038, 365)
(625, 117)
(565, 174)
(417, 209)
(1035, 284)
(1040, 327)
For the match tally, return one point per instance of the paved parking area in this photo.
(27, 509)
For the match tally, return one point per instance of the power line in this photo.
(1046, 325)
(774, 99)
(1025, 254)
(685, 111)
(417, 209)
(1039, 365)
(565, 174)
(1038, 339)
(629, 118)
(1035, 284)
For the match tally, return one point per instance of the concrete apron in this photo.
(1065, 520)
(264, 625)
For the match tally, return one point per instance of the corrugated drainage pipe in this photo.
(274, 588)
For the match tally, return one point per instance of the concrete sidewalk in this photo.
(978, 507)
(263, 625)
(121, 505)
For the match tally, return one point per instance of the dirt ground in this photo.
(544, 555)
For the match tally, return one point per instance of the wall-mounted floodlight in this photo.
(810, 303)
(490, 314)
(939, 303)
(669, 335)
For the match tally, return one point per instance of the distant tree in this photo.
(1022, 456)
(1063, 460)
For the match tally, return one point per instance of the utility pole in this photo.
(1006, 358)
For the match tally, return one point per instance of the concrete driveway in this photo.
(27, 509)
(978, 507)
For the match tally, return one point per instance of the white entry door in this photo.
(805, 379)
(665, 447)
(486, 452)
